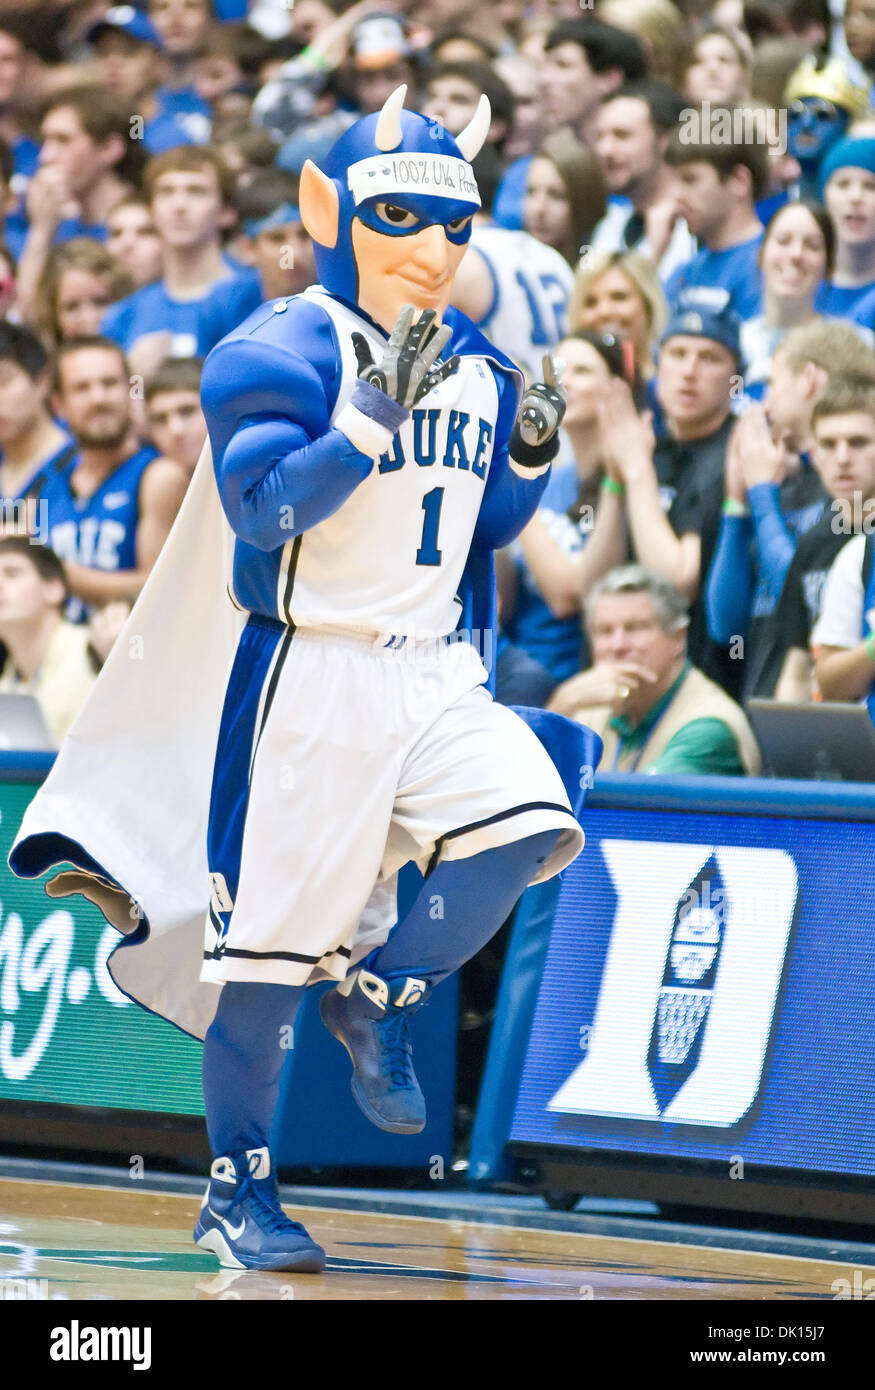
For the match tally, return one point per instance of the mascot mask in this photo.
(393, 175)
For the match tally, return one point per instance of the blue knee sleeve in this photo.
(244, 1051)
(459, 908)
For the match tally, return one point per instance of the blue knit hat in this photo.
(854, 151)
(704, 312)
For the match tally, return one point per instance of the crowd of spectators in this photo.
(678, 201)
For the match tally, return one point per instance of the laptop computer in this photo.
(828, 742)
(23, 726)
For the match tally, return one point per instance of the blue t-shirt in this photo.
(25, 159)
(151, 310)
(25, 155)
(181, 118)
(554, 642)
(168, 129)
(15, 233)
(69, 227)
(182, 101)
(26, 162)
(734, 270)
(507, 207)
(226, 306)
(856, 302)
(767, 207)
(864, 313)
(16, 227)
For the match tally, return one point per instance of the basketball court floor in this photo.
(85, 1233)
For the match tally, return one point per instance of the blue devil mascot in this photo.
(301, 702)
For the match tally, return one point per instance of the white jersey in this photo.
(532, 286)
(390, 559)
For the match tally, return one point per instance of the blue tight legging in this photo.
(459, 908)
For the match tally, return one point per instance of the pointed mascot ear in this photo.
(319, 205)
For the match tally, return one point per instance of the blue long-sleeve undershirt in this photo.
(775, 542)
(731, 582)
(729, 590)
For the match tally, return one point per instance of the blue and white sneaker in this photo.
(243, 1223)
(369, 1016)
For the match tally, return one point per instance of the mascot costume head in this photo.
(390, 213)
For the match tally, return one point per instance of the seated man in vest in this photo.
(655, 711)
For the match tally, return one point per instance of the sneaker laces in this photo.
(397, 1053)
(270, 1214)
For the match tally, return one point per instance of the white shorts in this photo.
(359, 759)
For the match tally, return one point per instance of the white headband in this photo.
(439, 176)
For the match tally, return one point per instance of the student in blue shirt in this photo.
(182, 27)
(719, 186)
(847, 187)
(772, 498)
(89, 159)
(88, 146)
(190, 194)
(278, 251)
(130, 63)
